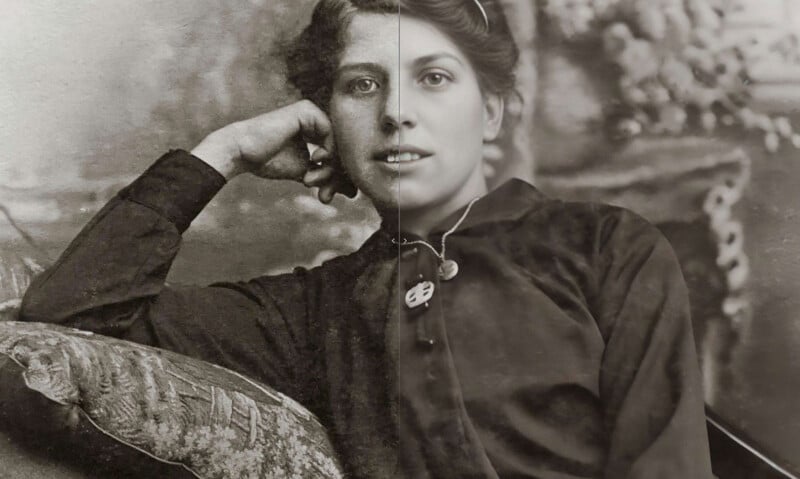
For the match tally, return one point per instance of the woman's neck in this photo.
(421, 221)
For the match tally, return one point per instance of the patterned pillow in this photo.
(212, 421)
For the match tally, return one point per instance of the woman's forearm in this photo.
(121, 258)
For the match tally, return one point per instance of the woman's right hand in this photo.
(273, 145)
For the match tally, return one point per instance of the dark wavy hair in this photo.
(313, 58)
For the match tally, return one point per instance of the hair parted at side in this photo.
(313, 58)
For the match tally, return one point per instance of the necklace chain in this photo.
(447, 233)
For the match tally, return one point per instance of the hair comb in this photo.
(483, 12)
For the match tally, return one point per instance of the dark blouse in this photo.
(562, 349)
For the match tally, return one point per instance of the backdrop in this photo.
(92, 92)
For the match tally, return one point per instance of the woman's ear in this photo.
(493, 107)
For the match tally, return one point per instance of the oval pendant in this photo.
(448, 270)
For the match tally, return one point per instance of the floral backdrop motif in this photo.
(667, 68)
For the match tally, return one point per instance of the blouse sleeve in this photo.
(650, 381)
(111, 280)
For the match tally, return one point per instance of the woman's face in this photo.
(408, 115)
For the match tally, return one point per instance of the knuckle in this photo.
(305, 105)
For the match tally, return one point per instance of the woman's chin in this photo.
(401, 195)
(398, 202)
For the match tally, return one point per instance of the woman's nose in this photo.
(397, 115)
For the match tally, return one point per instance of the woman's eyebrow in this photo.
(435, 56)
(359, 66)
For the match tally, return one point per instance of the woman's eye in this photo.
(364, 85)
(435, 79)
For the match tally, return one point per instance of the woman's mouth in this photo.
(401, 154)
(402, 157)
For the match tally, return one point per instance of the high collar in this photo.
(508, 202)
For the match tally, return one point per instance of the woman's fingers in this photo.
(274, 145)
(315, 127)
(318, 176)
(326, 193)
(291, 162)
(329, 181)
(317, 168)
(320, 155)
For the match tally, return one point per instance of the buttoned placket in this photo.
(418, 271)
(428, 381)
(423, 349)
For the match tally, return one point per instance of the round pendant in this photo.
(448, 270)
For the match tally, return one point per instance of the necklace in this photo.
(448, 269)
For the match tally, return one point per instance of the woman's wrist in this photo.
(220, 154)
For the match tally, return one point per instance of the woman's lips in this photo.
(403, 157)
(401, 154)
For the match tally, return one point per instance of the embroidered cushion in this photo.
(211, 421)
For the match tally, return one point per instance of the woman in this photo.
(476, 334)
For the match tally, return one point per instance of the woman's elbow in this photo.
(38, 305)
